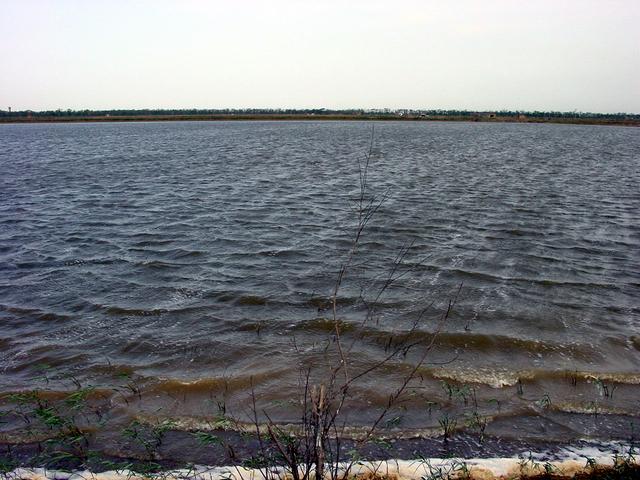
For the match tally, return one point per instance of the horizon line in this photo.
(382, 110)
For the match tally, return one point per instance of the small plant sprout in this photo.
(462, 392)
(477, 423)
(77, 400)
(455, 469)
(604, 390)
(573, 378)
(207, 439)
(550, 468)
(381, 442)
(430, 406)
(528, 464)
(591, 463)
(149, 437)
(448, 426)
(496, 402)
(43, 368)
(394, 421)
(448, 389)
(544, 402)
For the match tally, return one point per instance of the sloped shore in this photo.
(613, 460)
(572, 466)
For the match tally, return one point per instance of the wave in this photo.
(590, 408)
(90, 394)
(35, 313)
(159, 265)
(175, 253)
(543, 282)
(488, 343)
(133, 312)
(152, 241)
(500, 378)
(126, 311)
(316, 302)
(237, 298)
(214, 384)
(493, 378)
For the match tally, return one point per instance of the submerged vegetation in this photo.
(65, 431)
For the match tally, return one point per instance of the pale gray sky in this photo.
(470, 54)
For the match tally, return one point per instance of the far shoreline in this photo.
(630, 122)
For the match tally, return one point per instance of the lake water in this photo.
(195, 259)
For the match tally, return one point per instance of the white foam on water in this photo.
(493, 377)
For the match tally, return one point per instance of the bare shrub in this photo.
(316, 449)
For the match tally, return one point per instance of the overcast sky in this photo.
(468, 54)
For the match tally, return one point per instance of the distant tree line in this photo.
(311, 111)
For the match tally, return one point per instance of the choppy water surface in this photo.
(194, 259)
